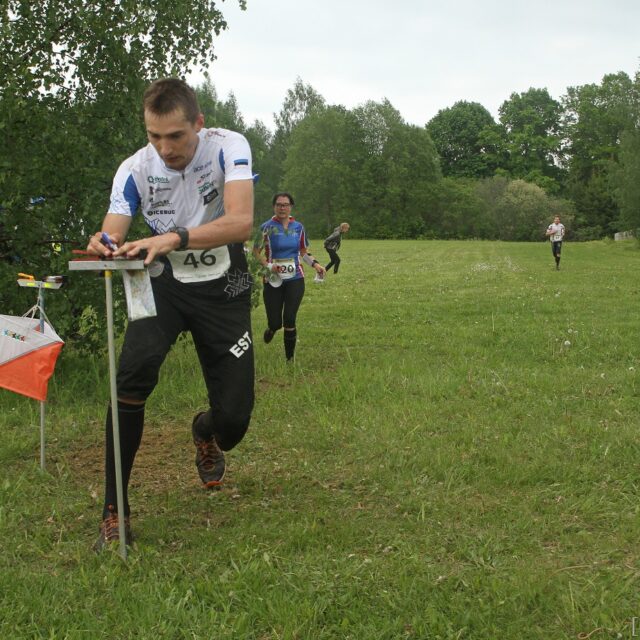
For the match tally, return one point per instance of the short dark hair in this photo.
(167, 95)
(283, 194)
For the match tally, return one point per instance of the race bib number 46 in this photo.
(199, 265)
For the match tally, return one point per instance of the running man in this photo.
(555, 232)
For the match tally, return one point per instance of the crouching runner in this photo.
(194, 187)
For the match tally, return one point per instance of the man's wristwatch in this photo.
(184, 237)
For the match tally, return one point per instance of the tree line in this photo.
(72, 75)
(462, 175)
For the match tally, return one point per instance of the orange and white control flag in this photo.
(27, 355)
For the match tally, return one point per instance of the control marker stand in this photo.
(53, 282)
(108, 266)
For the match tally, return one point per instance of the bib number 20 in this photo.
(286, 270)
(195, 260)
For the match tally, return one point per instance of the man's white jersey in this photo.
(557, 231)
(169, 198)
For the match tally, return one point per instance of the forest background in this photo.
(70, 113)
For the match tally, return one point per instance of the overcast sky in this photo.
(423, 55)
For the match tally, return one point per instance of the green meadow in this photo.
(454, 454)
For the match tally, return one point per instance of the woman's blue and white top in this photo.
(282, 246)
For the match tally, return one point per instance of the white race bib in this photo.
(556, 235)
(286, 269)
(199, 265)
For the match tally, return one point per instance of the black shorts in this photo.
(556, 247)
(218, 315)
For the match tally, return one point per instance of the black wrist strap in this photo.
(184, 237)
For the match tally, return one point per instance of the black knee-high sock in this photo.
(203, 425)
(131, 419)
(557, 260)
(290, 338)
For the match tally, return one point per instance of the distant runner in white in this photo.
(555, 232)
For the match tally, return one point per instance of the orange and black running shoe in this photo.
(110, 530)
(209, 459)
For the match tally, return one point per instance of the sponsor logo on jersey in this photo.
(160, 212)
(240, 162)
(157, 179)
(209, 197)
(203, 177)
(205, 187)
(159, 226)
(160, 203)
(202, 167)
(155, 190)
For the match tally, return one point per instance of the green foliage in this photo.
(459, 213)
(397, 169)
(319, 166)
(495, 208)
(533, 137)
(596, 117)
(366, 166)
(300, 101)
(219, 113)
(260, 139)
(627, 180)
(460, 136)
(256, 270)
(71, 81)
(521, 212)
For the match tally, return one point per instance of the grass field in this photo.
(439, 463)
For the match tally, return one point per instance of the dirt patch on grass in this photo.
(165, 458)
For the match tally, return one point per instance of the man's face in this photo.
(173, 136)
(557, 220)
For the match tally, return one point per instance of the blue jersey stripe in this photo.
(131, 195)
